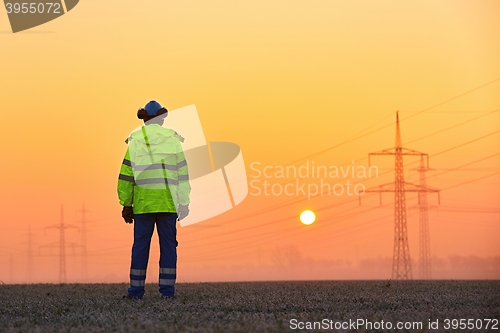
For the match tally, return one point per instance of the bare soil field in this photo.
(288, 306)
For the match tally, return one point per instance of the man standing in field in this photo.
(153, 188)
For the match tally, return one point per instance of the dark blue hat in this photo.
(152, 108)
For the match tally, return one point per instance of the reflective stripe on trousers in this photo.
(137, 277)
(167, 282)
(167, 271)
(139, 272)
(167, 276)
(137, 283)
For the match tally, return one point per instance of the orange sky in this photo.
(282, 79)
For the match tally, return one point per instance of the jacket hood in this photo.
(156, 134)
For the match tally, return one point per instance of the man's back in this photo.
(159, 171)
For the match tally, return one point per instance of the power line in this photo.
(388, 125)
(471, 181)
(466, 143)
(454, 126)
(453, 98)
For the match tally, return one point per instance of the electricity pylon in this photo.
(62, 245)
(401, 260)
(30, 255)
(84, 242)
(423, 213)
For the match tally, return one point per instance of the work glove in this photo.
(128, 214)
(182, 212)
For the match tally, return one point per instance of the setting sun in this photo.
(307, 217)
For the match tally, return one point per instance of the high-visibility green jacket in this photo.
(154, 174)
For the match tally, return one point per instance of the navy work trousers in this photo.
(144, 225)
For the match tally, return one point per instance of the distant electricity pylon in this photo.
(30, 255)
(84, 242)
(62, 246)
(425, 269)
(401, 260)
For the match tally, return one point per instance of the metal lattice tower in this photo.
(423, 213)
(62, 245)
(401, 260)
(62, 249)
(84, 242)
(30, 255)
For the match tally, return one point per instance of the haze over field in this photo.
(286, 81)
(254, 307)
